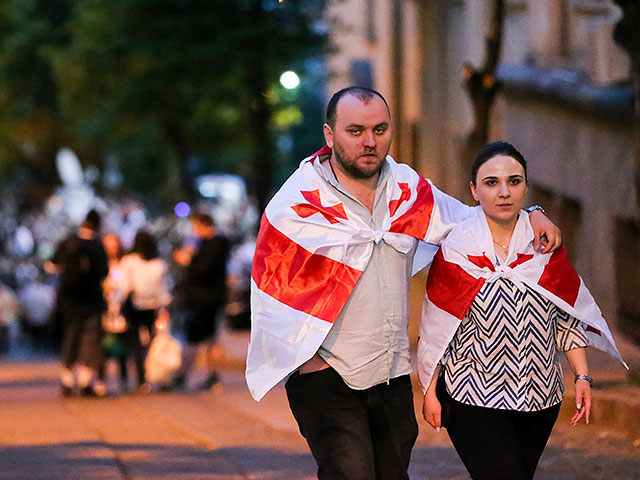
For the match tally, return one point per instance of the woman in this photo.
(146, 288)
(115, 336)
(494, 315)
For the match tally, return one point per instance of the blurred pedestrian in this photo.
(37, 300)
(496, 312)
(8, 315)
(114, 324)
(147, 293)
(82, 265)
(204, 295)
(238, 307)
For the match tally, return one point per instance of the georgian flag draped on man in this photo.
(311, 252)
(462, 266)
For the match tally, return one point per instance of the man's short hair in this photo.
(92, 221)
(363, 93)
(203, 219)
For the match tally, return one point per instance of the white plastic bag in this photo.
(164, 358)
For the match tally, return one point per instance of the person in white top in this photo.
(146, 291)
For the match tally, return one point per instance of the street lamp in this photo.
(289, 80)
(182, 209)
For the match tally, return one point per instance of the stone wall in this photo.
(577, 137)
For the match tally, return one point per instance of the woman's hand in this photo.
(545, 232)
(578, 361)
(431, 409)
(583, 401)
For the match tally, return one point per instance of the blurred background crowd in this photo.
(32, 291)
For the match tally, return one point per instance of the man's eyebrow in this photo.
(361, 127)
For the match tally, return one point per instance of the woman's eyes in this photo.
(512, 181)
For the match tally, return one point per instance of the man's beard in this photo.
(350, 165)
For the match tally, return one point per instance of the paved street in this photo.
(222, 435)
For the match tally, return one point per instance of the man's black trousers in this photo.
(355, 434)
(81, 341)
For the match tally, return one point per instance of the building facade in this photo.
(563, 101)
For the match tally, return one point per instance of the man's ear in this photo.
(328, 135)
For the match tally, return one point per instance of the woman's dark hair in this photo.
(491, 150)
(145, 245)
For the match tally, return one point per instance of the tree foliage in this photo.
(168, 86)
(30, 118)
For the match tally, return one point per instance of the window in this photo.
(370, 12)
(361, 73)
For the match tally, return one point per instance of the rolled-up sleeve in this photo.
(571, 333)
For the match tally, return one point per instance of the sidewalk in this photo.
(616, 403)
(226, 435)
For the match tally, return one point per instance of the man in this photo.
(330, 291)
(81, 261)
(204, 294)
(8, 316)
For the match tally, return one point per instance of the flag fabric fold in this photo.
(461, 267)
(311, 252)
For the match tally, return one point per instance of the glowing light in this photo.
(69, 168)
(225, 188)
(182, 209)
(23, 241)
(208, 189)
(289, 80)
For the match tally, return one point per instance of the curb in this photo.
(617, 408)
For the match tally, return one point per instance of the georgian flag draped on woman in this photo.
(462, 265)
(311, 252)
